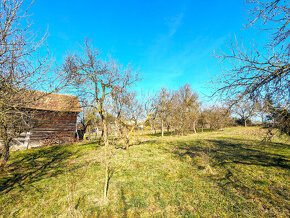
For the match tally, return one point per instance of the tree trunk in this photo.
(106, 185)
(162, 128)
(194, 122)
(127, 143)
(89, 135)
(117, 129)
(245, 123)
(5, 155)
(182, 130)
(106, 141)
(152, 127)
(102, 136)
(96, 136)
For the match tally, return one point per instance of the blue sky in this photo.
(170, 42)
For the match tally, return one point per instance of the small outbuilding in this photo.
(54, 120)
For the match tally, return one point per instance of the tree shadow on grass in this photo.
(236, 161)
(34, 165)
(230, 150)
(123, 203)
(237, 151)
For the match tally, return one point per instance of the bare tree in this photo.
(128, 114)
(216, 117)
(257, 71)
(245, 109)
(274, 16)
(150, 112)
(185, 109)
(96, 79)
(21, 70)
(163, 103)
(264, 106)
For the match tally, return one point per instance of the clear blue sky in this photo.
(170, 42)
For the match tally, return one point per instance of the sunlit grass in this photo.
(230, 173)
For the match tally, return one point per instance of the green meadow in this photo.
(231, 173)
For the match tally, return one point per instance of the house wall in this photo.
(48, 127)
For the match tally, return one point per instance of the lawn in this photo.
(211, 174)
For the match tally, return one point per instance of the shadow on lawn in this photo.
(237, 152)
(229, 150)
(34, 165)
(123, 203)
(229, 155)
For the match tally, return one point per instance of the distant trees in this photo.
(88, 119)
(164, 105)
(215, 118)
(277, 117)
(180, 112)
(245, 109)
(280, 118)
(259, 71)
(187, 108)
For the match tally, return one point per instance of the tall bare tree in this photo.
(21, 70)
(96, 79)
(163, 112)
(186, 109)
(259, 70)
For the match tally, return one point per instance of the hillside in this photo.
(230, 173)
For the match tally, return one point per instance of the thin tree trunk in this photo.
(106, 141)
(182, 130)
(152, 127)
(117, 129)
(5, 155)
(89, 135)
(162, 128)
(245, 123)
(102, 136)
(194, 126)
(127, 143)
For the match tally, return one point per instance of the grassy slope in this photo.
(227, 173)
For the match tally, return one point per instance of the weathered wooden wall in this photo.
(49, 127)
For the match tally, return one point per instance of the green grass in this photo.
(212, 174)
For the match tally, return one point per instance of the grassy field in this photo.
(213, 174)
